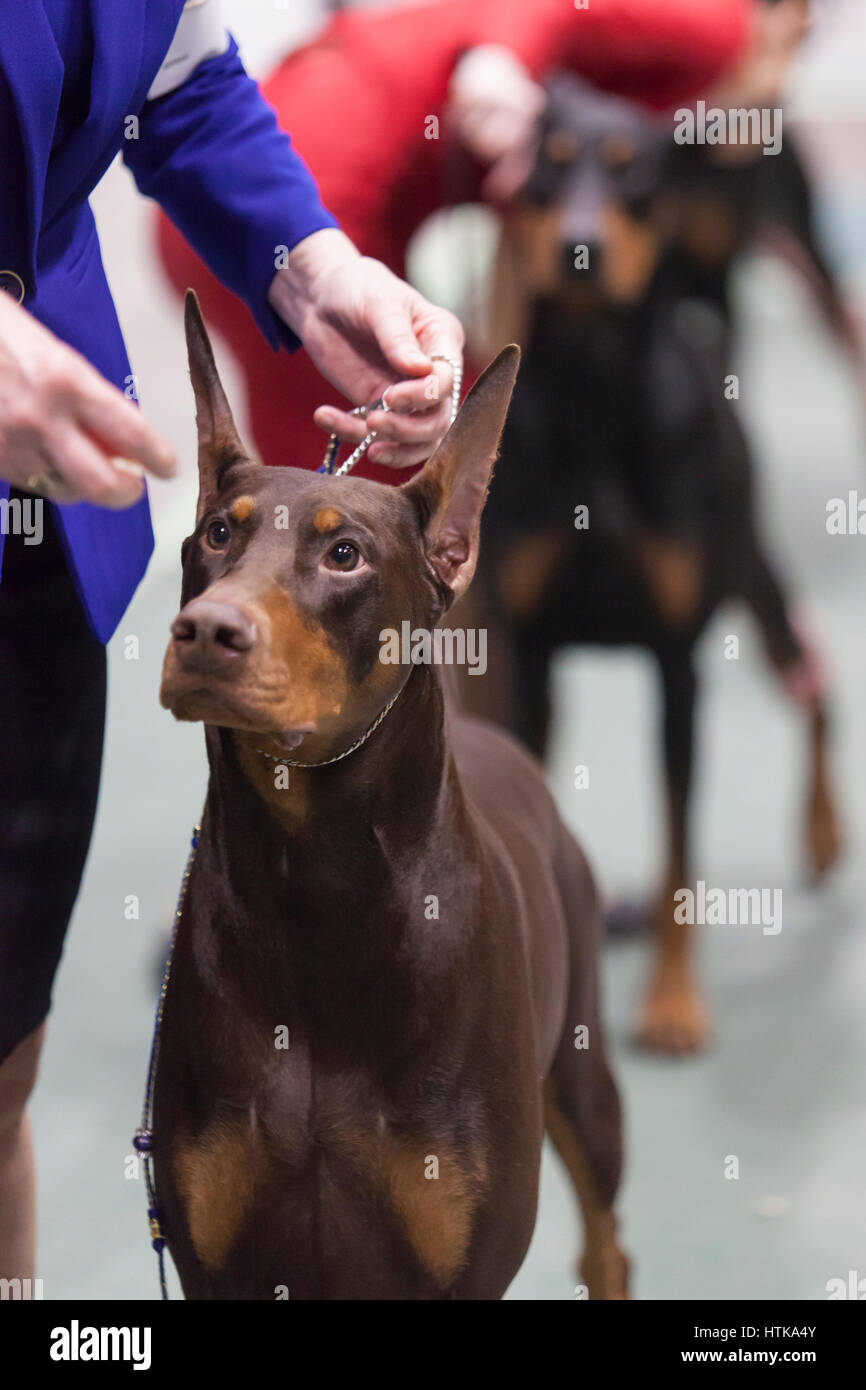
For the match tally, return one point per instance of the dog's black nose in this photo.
(208, 629)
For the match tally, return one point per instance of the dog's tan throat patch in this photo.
(284, 789)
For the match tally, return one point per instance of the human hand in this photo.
(758, 77)
(64, 430)
(493, 103)
(369, 333)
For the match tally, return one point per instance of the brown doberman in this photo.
(393, 897)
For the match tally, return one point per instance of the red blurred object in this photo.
(357, 102)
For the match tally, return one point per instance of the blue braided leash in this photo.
(142, 1140)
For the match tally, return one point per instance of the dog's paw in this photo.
(605, 1273)
(673, 1020)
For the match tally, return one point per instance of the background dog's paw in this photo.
(673, 1021)
(824, 840)
(605, 1273)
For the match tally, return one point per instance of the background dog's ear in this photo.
(451, 488)
(219, 444)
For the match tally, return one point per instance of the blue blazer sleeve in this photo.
(212, 154)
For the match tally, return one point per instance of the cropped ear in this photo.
(451, 488)
(219, 444)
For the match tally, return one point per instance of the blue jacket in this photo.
(210, 152)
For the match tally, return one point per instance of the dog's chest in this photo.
(319, 1189)
(322, 1141)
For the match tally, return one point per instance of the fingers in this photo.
(400, 456)
(410, 334)
(390, 321)
(64, 430)
(439, 331)
(87, 475)
(410, 429)
(427, 398)
(119, 427)
(351, 428)
(408, 330)
(426, 394)
(403, 438)
(414, 410)
(55, 489)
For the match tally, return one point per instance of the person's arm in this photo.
(657, 52)
(367, 331)
(64, 430)
(211, 152)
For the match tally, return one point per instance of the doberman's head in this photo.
(290, 576)
(582, 228)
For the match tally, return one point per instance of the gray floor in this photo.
(782, 1089)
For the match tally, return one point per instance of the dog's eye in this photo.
(218, 535)
(561, 147)
(618, 151)
(344, 556)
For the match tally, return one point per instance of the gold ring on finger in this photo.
(44, 483)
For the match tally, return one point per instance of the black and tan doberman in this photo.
(413, 919)
(623, 512)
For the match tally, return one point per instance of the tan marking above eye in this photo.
(561, 147)
(242, 508)
(618, 151)
(327, 519)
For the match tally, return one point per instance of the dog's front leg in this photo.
(673, 1018)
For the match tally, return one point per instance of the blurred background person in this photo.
(729, 199)
(409, 108)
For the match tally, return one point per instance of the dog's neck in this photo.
(323, 895)
(392, 788)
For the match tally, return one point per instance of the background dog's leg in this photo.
(489, 695)
(581, 1102)
(799, 667)
(533, 655)
(514, 690)
(823, 834)
(673, 1018)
